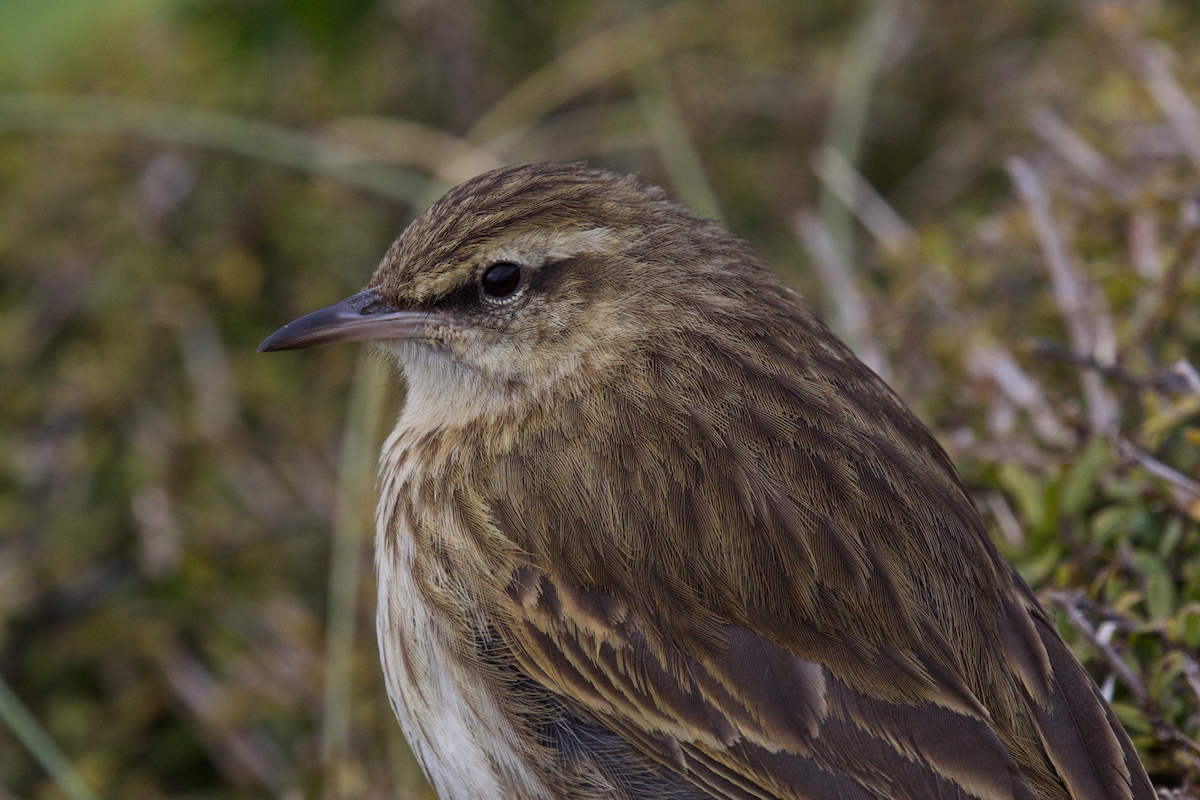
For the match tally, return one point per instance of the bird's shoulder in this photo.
(765, 479)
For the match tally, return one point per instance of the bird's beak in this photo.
(364, 316)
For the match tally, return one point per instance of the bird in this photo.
(648, 529)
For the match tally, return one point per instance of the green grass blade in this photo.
(39, 744)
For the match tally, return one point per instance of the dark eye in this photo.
(501, 280)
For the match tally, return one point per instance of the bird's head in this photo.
(523, 277)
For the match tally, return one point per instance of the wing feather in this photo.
(755, 720)
(1080, 733)
(774, 585)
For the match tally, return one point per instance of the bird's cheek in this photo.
(484, 353)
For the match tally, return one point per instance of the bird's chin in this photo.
(402, 351)
(458, 381)
(441, 391)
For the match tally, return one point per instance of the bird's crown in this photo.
(544, 212)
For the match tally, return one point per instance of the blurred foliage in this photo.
(167, 578)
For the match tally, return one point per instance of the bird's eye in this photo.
(501, 280)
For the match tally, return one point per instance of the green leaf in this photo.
(1029, 493)
(1170, 537)
(1036, 571)
(1160, 586)
(1079, 485)
(1132, 718)
(1108, 523)
(1160, 676)
(1185, 626)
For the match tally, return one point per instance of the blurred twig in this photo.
(839, 177)
(601, 129)
(241, 754)
(1164, 381)
(1185, 490)
(1069, 288)
(847, 119)
(410, 144)
(829, 238)
(1154, 63)
(1187, 371)
(224, 132)
(995, 362)
(206, 363)
(1010, 528)
(597, 59)
(851, 315)
(25, 727)
(1089, 325)
(1143, 246)
(1069, 602)
(660, 109)
(1078, 152)
(352, 525)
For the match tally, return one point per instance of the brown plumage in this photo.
(649, 530)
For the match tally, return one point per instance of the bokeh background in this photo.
(996, 202)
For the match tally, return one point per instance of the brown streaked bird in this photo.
(648, 529)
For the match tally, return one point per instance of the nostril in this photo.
(371, 308)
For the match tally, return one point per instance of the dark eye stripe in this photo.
(501, 280)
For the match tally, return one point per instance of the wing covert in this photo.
(752, 721)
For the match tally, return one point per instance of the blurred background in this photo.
(994, 201)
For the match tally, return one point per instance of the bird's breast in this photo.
(446, 708)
